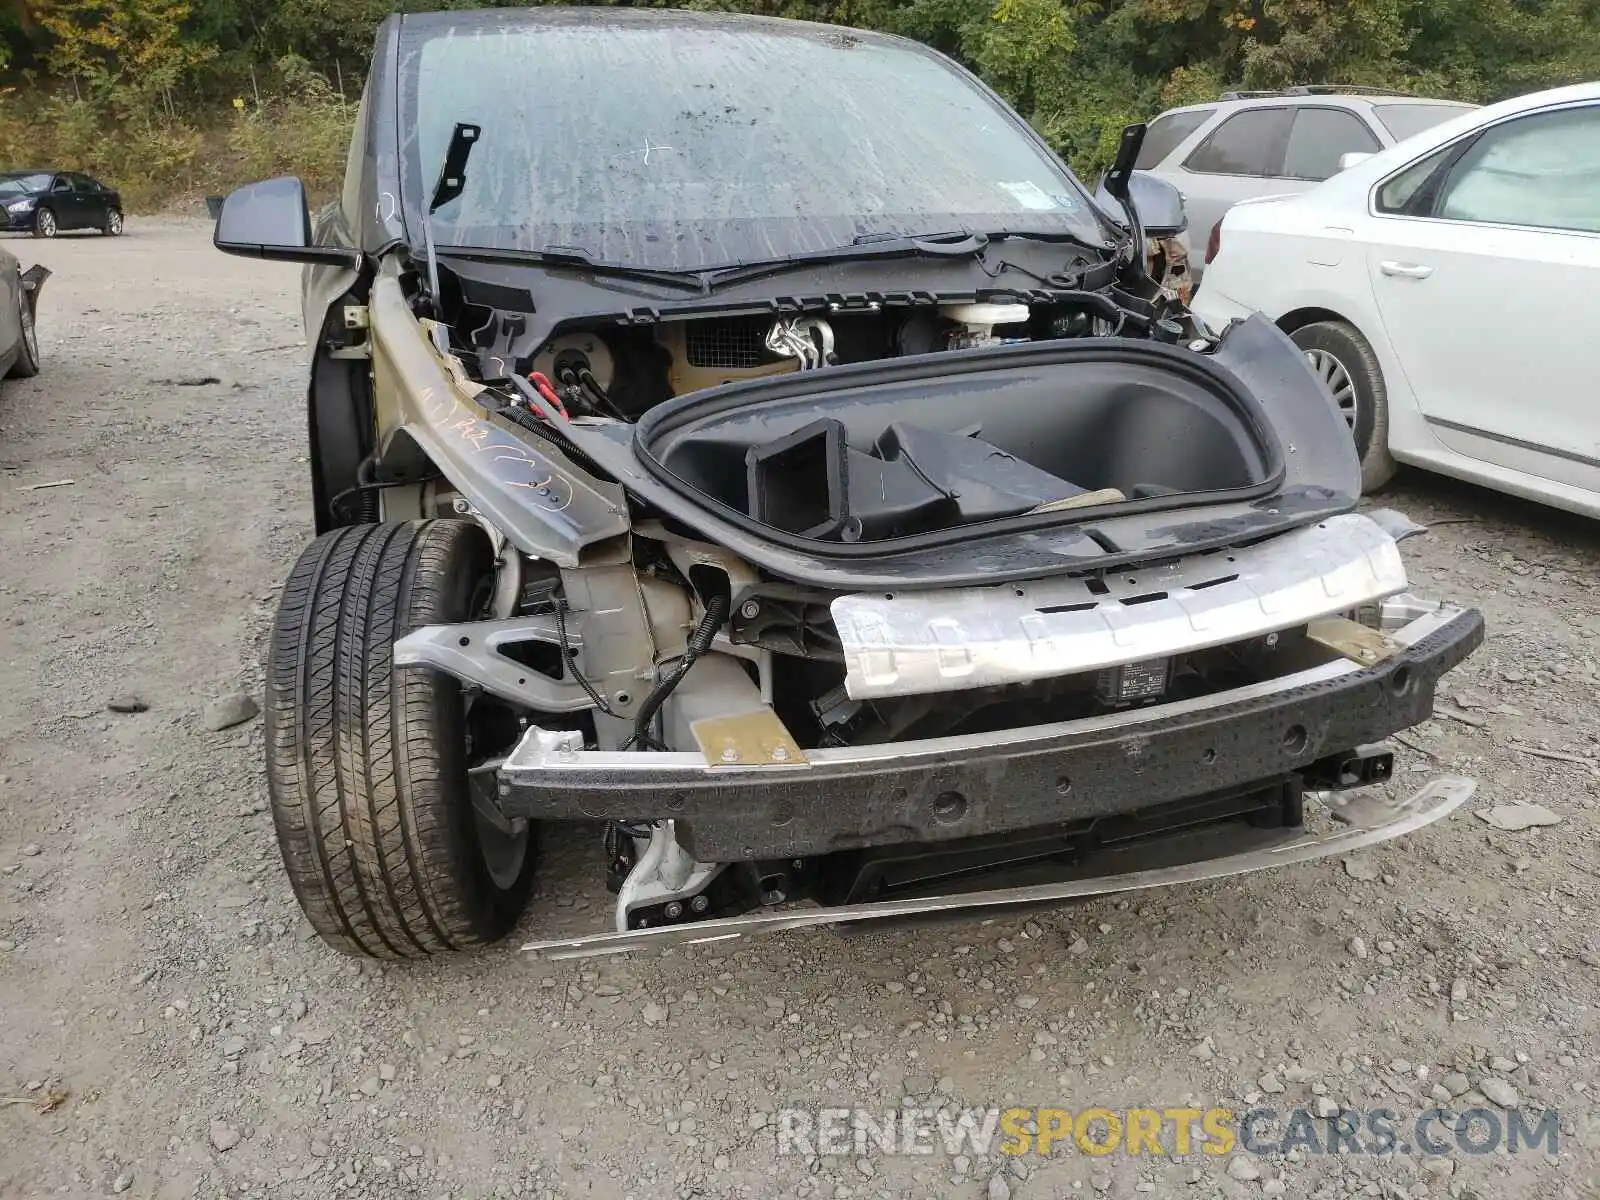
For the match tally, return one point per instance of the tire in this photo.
(26, 365)
(1332, 348)
(113, 223)
(366, 765)
(44, 224)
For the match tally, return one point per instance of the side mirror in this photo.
(1346, 161)
(271, 220)
(1158, 204)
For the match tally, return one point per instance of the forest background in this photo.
(174, 99)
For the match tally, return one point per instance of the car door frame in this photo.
(91, 200)
(66, 210)
(1452, 152)
(1364, 119)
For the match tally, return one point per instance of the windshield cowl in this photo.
(998, 263)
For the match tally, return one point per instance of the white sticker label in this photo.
(1030, 195)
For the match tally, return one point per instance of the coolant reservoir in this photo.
(977, 321)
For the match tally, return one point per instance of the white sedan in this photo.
(1447, 291)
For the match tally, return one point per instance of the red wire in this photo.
(547, 389)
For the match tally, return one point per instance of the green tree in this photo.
(140, 85)
(132, 54)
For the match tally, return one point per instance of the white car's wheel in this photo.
(1344, 362)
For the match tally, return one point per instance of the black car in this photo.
(45, 203)
(750, 435)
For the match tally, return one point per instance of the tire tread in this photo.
(365, 764)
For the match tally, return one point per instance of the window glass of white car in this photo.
(1403, 192)
(1542, 170)
(1408, 120)
(1247, 143)
(1319, 138)
(1164, 134)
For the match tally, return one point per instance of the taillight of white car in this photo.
(1214, 242)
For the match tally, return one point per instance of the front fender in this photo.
(523, 486)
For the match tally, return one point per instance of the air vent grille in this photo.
(725, 344)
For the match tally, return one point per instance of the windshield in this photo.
(694, 144)
(14, 185)
(1407, 120)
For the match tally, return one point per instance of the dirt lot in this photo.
(155, 972)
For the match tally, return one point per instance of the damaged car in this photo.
(19, 303)
(748, 438)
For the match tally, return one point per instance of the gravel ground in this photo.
(161, 997)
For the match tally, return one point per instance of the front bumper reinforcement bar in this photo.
(948, 788)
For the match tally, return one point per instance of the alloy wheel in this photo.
(1336, 379)
(502, 852)
(492, 730)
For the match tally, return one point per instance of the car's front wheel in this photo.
(44, 224)
(369, 768)
(1348, 368)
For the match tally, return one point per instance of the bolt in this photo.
(1272, 639)
(461, 505)
(779, 753)
(699, 904)
(730, 755)
(673, 910)
(750, 610)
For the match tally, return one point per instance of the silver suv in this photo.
(1267, 143)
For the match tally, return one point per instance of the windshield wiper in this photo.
(866, 247)
(453, 181)
(1063, 236)
(578, 259)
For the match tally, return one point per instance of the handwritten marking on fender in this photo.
(550, 490)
